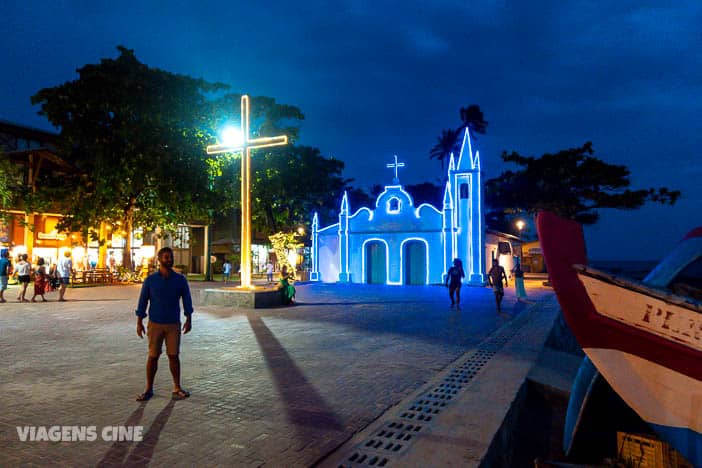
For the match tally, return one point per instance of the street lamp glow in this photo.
(245, 145)
(231, 136)
(520, 225)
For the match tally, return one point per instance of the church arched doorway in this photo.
(414, 262)
(376, 255)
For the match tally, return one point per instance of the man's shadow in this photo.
(144, 450)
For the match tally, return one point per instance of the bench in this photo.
(96, 276)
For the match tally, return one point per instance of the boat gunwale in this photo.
(639, 287)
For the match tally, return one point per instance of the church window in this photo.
(464, 191)
(394, 205)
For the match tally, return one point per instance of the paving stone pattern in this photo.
(272, 387)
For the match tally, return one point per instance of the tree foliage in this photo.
(426, 192)
(358, 198)
(446, 143)
(473, 119)
(136, 136)
(289, 184)
(572, 183)
(449, 142)
(282, 244)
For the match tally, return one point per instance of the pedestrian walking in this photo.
(269, 271)
(519, 280)
(41, 281)
(454, 278)
(64, 270)
(54, 280)
(5, 270)
(23, 270)
(226, 270)
(162, 292)
(495, 277)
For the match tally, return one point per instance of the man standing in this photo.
(163, 291)
(269, 271)
(5, 267)
(495, 276)
(64, 269)
(226, 270)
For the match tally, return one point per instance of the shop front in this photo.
(37, 236)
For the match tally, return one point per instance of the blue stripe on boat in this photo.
(684, 440)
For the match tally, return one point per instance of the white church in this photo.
(398, 243)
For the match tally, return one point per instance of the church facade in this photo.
(398, 243)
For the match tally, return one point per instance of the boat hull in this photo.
(655, 374)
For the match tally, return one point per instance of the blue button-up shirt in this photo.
(163, 296)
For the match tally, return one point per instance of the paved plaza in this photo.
(274, 387)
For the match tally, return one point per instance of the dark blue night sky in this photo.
(377, 78)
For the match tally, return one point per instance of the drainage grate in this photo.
(394, 438)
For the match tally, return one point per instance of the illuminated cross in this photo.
(247, 144)
(395, 165)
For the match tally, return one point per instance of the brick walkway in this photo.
(275, 387)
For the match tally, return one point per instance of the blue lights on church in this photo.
(398, 243)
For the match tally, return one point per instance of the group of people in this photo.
(44, 281)
(496, 276)
(227, 271)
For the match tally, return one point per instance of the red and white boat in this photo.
(645, 337)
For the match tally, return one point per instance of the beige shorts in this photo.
(160, 332)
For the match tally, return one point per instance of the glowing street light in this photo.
(231, 136)
(520, 225)
(235, 142)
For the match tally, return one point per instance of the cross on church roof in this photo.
(395, 165)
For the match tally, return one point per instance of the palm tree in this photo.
(472, 118)
(446, 143)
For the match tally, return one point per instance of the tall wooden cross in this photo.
(395, 166)
(245, 148)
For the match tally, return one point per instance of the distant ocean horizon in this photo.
(636, 269)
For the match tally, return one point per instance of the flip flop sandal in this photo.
(180, 395)
(146, 396)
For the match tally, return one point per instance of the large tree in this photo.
(426, 192)
(136, 137)
(446, 143)
(357, 198)
(572, 183)
(450, 140)
(472, 118)
(289, 184)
